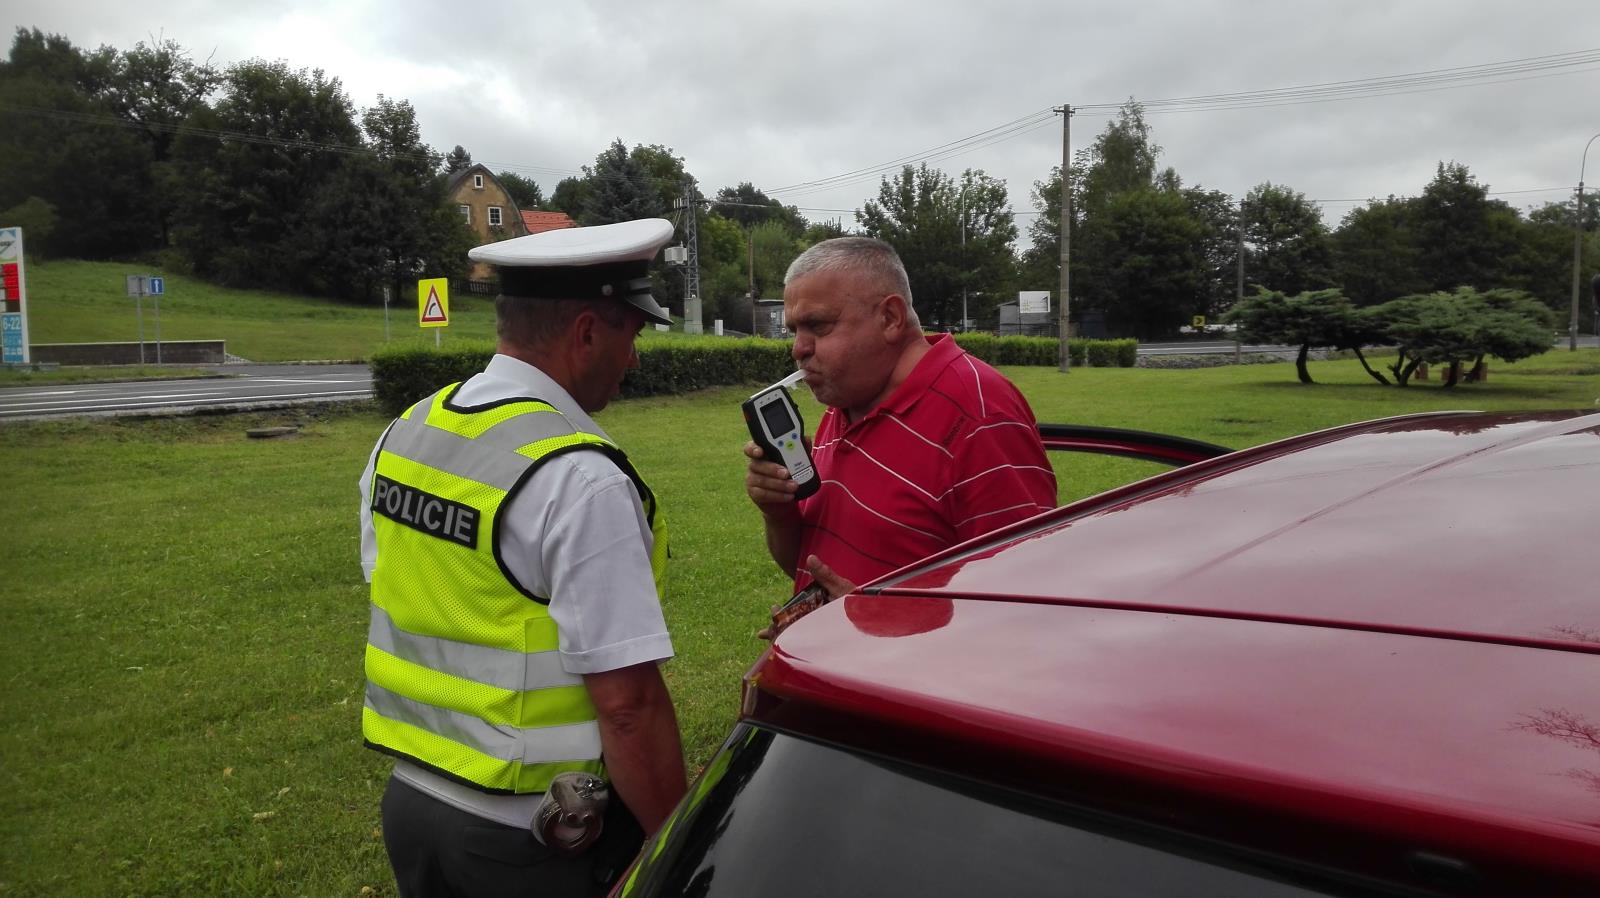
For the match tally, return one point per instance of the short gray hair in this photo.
(864, 255)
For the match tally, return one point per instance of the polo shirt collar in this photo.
(942, 350)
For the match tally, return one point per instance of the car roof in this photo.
(1485, 526)
(1382, 630)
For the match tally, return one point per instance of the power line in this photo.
(1412, 82)
(1458, 76)
(1008, 127)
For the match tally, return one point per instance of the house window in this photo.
(477, 182)
(494, 216)
(466, 212)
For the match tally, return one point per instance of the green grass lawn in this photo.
(86, 302)
(182, 613)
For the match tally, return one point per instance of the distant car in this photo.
(1364, 661)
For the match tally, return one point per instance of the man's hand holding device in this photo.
(780, 467)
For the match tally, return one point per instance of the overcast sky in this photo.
(746, 92)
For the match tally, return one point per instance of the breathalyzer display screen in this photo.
(777, 419)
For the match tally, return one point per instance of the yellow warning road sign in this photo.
(1198, 322)
(433, 302)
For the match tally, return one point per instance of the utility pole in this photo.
(1238, 290)
(964, 269)
(1062, 318)
(691, 269)
(1577, 253)
(750, 238)
(1577, 267)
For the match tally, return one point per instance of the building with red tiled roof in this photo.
(539, 222)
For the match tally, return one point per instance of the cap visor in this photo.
(652, 310)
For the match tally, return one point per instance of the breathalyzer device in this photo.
(775, 425)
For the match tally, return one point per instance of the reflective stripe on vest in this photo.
(463, 672)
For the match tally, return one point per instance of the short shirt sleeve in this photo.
(577, 535)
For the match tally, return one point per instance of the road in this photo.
(241, 387)
(1210, 347)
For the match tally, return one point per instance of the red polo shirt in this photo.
(953, 453)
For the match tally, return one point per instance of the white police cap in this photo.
(601, 262)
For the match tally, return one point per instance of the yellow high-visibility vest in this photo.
(463, 673)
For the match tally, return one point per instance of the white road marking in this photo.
(176, 399)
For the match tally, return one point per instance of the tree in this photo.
(243, 204)
(1218, 219)
(749, 207)
(1376, 253)
(1116, 190)
(1461, 327)
(724, 271)
(36, 218)
(1542, 264)
(524, 191)
(1121, 159)
(570, 196)
(457, 159)
(1144, 270)
(1040, 265)
(1462, 236)
(818, 231)
(1287, 247)
(1324, 318)
(664, 170)
(383, 216)
(925, 215)
(620, 189)
(54, 108)
(157, 88)
(774, 248)
(1561, 213)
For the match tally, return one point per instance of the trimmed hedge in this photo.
(403, 375)
(1043, 350)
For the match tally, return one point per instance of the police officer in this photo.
(515, 557)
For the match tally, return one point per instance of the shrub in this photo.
(1042, 351)
(403, 375)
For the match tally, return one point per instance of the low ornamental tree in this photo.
(1462, 328)
(1320, 318)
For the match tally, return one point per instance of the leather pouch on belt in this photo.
(573, 812)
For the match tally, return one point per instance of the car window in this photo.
(780, 816)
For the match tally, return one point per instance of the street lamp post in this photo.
(964, 271)
(1577, 252)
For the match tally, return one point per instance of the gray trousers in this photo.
(440, 851)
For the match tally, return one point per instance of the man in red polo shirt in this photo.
(922, 446)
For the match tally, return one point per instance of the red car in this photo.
(1364, 661)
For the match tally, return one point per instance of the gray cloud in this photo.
(780, 94)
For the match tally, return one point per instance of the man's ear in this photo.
(582, 334)
(892, 316)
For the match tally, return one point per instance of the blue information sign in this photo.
(157, 286)
(11, 338)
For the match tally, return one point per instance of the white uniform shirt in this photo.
(576, 533)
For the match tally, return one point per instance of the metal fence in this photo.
(487, 287)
